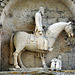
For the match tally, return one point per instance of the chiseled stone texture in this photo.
(0, 46)
(3, 4)
(18, 15)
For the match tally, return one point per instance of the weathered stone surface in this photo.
(20, 16)
(63, 72)
(31, 59)
(0, 46)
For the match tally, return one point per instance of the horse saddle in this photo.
(39, 41)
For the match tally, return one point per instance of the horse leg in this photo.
(20, 61)
(46, 46)
(43, 61)
(15, 59)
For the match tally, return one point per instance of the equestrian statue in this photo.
(41, 41)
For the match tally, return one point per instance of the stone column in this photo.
(0, 45)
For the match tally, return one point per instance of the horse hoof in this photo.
(17, 67)
(50, 49)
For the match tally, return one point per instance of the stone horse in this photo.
(23, 40)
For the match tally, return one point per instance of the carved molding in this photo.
(3, 3)
(0, 46)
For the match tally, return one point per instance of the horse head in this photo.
(68, 29)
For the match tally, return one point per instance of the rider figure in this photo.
(38, 21)
(39, 30)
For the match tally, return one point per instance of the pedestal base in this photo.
(30, 69)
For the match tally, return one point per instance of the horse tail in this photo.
(11, 49)
(20, 61)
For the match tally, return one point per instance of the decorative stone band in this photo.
(63, 72)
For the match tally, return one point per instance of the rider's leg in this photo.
(45, 44)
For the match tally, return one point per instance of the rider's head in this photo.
(41, 9)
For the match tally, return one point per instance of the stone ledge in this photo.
(40, 69)
(63, 72)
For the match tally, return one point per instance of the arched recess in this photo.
(24, 19)
(70, 4)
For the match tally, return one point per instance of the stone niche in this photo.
(18, 15)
